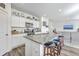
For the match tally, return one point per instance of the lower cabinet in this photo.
(32, 48)
(17, 41)
(35, 49)
(28, 47)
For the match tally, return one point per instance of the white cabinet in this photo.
(17, 18)
(3, 32)
(18, 21)
(17, 41)
(22, 22)
(15, 21)
(28, 47)
(35, 49)
(32, 48)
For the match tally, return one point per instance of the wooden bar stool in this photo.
(52, 51)
(48, 51)
(57, 50)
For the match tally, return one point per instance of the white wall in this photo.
(59, 24)
(76, 23)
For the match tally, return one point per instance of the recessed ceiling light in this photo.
(59, 10)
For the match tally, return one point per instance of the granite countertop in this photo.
(39, 38)
(31, 38)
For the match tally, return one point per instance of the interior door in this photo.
(3, 32)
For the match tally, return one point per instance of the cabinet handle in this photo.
(6, 34)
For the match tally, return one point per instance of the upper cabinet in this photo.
(15, 21)
(19, 19)
(22, 22)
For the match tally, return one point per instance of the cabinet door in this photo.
(28, 47)
(22, 22)
(35, 49)
(32, 48)
(17, 41)
(3, 32)
(15, 21)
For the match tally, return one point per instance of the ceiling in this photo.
(54, 11)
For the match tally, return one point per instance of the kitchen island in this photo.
(34, 45)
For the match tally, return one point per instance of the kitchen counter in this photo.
(31, 38)
(39, 38)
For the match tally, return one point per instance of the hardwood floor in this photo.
(19, 51)
(69, 51)
(66, 51)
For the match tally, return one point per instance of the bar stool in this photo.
(52, 50)
(48, 50)
(57, 50)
